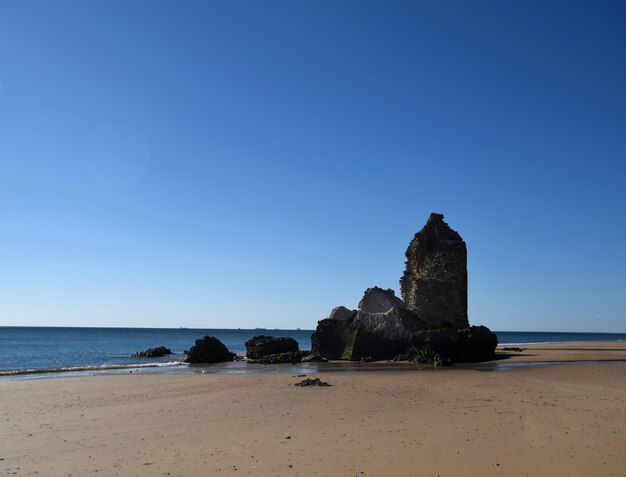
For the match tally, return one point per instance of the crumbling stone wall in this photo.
(434, 284)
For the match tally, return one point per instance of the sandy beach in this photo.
(565, 420)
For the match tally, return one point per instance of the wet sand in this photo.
(563, 352)
(459, 421)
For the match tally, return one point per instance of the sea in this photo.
(44, 351)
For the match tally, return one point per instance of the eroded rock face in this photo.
(382, 335)
(341, 313)
(434, 284)
(209, 350)
(381, 329)
(377, 300)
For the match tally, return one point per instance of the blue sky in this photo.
(254, 164)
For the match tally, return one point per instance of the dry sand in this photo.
(562, 420)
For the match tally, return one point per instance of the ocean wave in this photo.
(101, 367)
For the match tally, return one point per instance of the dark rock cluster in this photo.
(208, 350)
(430, 321)
(269, 350)
(157, 352)
(279, 358)
(474, 343)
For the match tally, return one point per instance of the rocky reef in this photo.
(157, 352)
(430, 323)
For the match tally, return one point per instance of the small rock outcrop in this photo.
(209, 350)
(434, 284)
(157, 352)
(430, 321)
(270, 350)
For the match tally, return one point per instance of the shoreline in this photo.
(563, 352)
(533, 420)
(541, 343)
(96, 350)
(546, 353)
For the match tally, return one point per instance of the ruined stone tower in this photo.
(434, 284)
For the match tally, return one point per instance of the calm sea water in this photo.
(53, 349)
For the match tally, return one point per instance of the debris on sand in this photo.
(312, 382)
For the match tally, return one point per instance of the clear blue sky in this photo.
(242, 164)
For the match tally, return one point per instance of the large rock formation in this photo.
(383, 326)
(381, 329)
(269, 350)
(432, 319)
(259, 346)
(434, 284)
(209, 350)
